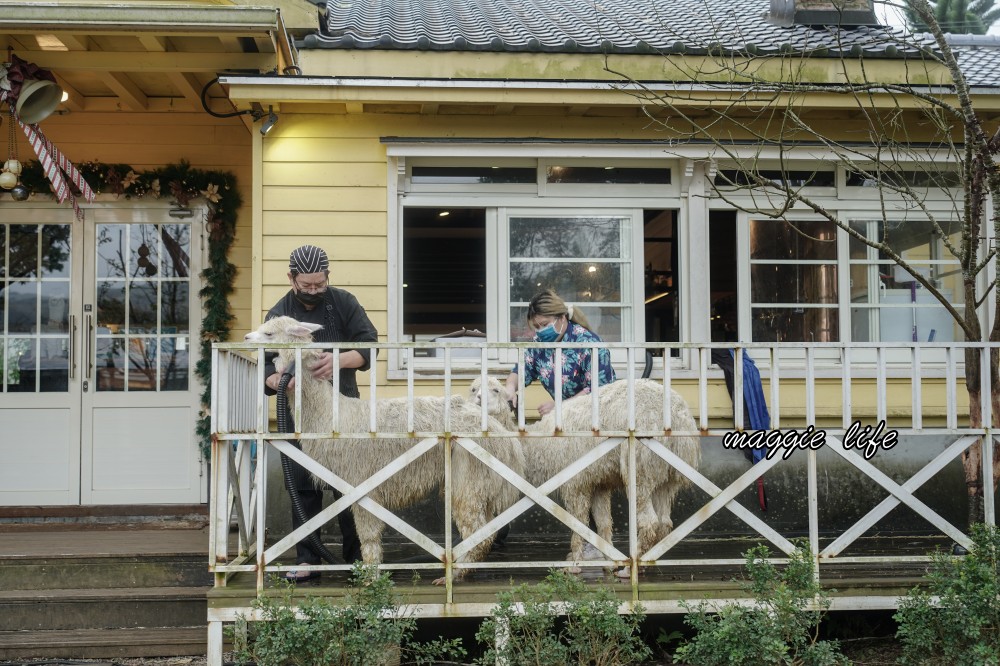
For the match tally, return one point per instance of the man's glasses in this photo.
(310, 287)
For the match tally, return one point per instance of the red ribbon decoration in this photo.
(19, 70)
(56, 166)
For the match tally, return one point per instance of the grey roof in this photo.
(581, 26)
(979, 58)
(619, 26)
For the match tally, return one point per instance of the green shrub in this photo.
(366, 627)
(561, 621)
(775, 628)
(955, 619)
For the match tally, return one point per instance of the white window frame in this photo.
(565, 200)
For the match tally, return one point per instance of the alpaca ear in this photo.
(303, 329)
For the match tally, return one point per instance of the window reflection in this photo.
(888, 303)
(34, 307)
(145, 292)
(565, 237)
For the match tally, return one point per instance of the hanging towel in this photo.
(755, 414)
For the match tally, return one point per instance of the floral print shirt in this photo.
(576, 366)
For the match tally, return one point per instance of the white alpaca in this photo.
(657, 483)
(479, 494)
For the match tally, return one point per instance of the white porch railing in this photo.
(916, 388)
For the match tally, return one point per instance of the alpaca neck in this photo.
(317, 396)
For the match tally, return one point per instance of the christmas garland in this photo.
(182, 184)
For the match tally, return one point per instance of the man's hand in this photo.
(323, 367)
(275, 379)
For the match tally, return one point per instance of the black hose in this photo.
(312, 542)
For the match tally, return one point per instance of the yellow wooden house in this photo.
(453, 158)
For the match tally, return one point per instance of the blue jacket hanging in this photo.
(755, 414)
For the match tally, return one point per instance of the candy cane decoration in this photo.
(55, 164)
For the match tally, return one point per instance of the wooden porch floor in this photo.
(660, 588)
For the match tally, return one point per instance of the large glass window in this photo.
(586, 259)
(793, 280)
(444, 271)
(887, 303)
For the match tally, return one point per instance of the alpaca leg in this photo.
(647, 524)
(370, 534)
(601, 511)
(663, 500)
(469, 515)
(578, 505)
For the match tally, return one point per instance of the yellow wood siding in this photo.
(151, 140)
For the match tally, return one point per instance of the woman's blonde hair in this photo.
(548, 304)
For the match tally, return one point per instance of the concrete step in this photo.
(98, 582)
(104, 643)
(105, 572)
(113, 516)
(40, 610)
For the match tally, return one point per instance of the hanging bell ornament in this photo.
(7, 180)
(13, 166)
(19, 193)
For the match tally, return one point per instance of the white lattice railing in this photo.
(917, 388)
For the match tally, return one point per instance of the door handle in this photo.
(88, 342)
(72, 347)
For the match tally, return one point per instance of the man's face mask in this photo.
(310, 300)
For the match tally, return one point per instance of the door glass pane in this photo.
(110, 355)
(111, 305)
(144, 294)
(176, 250)
(23, 301)
(142, 301)
(34, 307)
(143, 259)
(111, 253)
(55, 307)
(53, 365)
(21, 365)
(23, 261)
(142, 364)
(174, 307)
(174, 364)
(55, 251)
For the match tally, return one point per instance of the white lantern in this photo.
(7, 180)
(13, 166)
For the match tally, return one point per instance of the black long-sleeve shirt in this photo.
(343, 320)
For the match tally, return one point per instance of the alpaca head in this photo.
(283, 329)
(494, 393)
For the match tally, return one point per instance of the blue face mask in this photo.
(547, 334)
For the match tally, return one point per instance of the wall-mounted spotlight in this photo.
(256, 110)
(268, 123)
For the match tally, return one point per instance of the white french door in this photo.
(98, 398)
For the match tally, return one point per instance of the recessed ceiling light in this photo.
(444, 213)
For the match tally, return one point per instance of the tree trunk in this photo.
(972, 458)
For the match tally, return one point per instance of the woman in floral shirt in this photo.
(554, 321)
